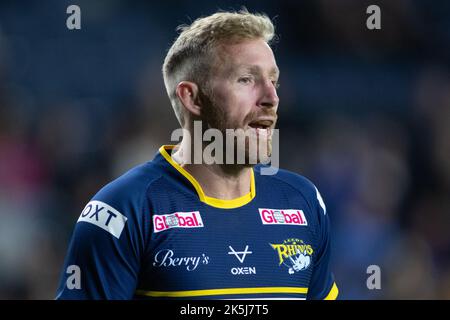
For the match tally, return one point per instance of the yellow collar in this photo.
(215, 202)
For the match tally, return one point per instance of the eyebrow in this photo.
(256, 69)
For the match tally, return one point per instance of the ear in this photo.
(187, 92)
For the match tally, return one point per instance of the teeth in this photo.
(261, 124)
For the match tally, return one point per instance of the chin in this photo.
(255, 154)
(252, 147)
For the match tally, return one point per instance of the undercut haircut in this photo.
(193, 53)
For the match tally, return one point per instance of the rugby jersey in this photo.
(154, 233)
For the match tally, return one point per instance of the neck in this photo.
(221, 181)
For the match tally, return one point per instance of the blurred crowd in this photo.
(364, 114)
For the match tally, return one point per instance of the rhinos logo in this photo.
(294, 254)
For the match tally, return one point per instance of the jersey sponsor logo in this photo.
(242, 270)
(240, 255)
(167, 258)
(294, 254)
(104, 216)
(283, 216)
(177, 220)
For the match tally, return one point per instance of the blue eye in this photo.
(276, 84)
(245, 80)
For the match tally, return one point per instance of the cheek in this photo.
(238, 112)
(243, 99)
(236, 102)
(245, 106)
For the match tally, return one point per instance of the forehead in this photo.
(255, 55)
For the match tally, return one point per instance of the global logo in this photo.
(172, 221)
(177, 220)
(283, 216)
(294, 254)
(278, 216)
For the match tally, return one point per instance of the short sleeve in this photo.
(105, 250)
(322, 285)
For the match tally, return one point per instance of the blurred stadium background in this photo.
(364, 114)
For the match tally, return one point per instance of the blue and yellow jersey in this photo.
(153, 233)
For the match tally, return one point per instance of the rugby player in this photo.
(176, 228)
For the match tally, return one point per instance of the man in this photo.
(177, 228)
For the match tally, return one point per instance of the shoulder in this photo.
(126, 195)
(120, 204)
(295, 182)
(289, 179)
(132, 184)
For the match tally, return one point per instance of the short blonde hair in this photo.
(191, 55)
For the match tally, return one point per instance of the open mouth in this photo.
(261, 124)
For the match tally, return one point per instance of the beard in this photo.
(243, 145)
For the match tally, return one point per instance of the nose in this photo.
(269, 98)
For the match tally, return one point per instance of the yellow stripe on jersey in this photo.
(216, 292)
(332, 295)
(215, 202)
